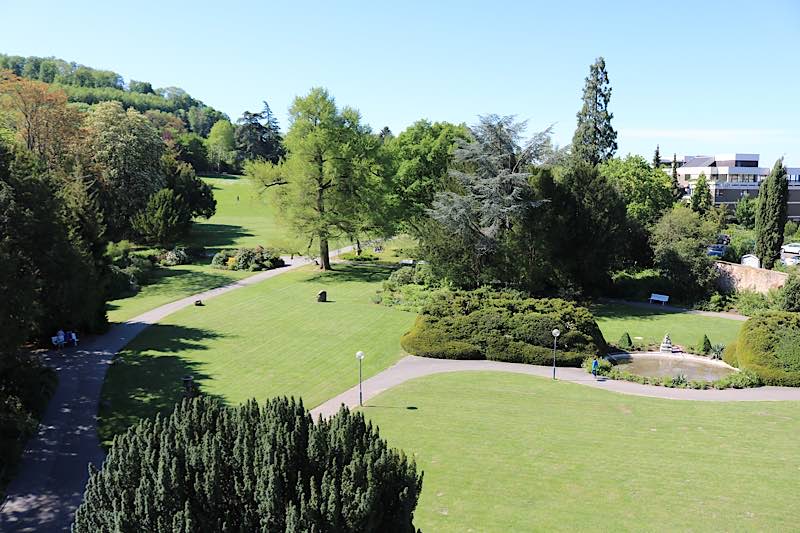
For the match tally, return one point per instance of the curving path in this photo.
(412, 367)
(53, 472)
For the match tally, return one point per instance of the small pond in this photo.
(658, 365)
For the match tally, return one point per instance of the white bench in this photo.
(663, 298)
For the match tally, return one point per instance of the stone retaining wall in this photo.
(746, 278)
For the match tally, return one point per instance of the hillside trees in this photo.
(258, 136)
(595, 139)
(330, 182)
(208, 467)
(771, 215)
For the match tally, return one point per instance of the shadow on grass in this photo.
(352, 272)
(179, 281)
(216, 235)
(219, 175)
(144, 382)
(630, 311)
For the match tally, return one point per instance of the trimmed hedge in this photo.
(767, 346)
(503, 326)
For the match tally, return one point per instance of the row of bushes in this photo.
(769, 345)
(738, 380)
(363, 256)
(130, 269)
(251, 259)
(503, 326)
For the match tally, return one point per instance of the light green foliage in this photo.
(746, 211)
(789, 294)
(268, 339)
(331, 183)
(679, 242)
(646, 190)
(743, 241)
(767, 345)
(647, 326)
(595, 140)
(701, 196)
(209, 467)
(221, 145)
(771, 215)
(482, 436)
(125, 152)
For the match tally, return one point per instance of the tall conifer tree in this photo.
(595, 140)
(657, 158)
(771, 215)
(677, 190)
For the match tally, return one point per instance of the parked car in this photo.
(791, 248)
(716, 250)
(791, 260)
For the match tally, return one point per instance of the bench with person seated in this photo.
(663, 298)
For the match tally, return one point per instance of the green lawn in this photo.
(269, 339)
(171, 284)
(652, 324)
(507, 452)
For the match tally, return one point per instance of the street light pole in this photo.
(556, 333)
(360, 357)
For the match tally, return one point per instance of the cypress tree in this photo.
(595, 140)
(771, 215)
(208, 467)
(677, 190)
(701, 196)
(657, 158)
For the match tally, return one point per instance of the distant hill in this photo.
(89, 86)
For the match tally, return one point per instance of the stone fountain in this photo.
(666, 345)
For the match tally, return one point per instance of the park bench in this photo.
(663, 298)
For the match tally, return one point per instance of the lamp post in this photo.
(360, 357)
(556, 333)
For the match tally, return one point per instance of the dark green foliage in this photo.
(194, 192)
(595, 140)
(362, 257)
(767, 345)
(164, 220)
(701, 196)
(771, 215)
(679, 242)
(192, 150)
(639, 284)
(746, 211)
(705, 345)
(258, 136)
(789, 295)
(209, 468)
(625, 342)
(657, 158)
(502, 325)
(677, 190)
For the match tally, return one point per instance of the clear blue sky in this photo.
(695, 77)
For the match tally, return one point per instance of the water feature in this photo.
(660, 365)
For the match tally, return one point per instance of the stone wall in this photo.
(739, 277)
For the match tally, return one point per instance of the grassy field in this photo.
(505, 452)
(653, 323)
(171, 284)
(269, 339)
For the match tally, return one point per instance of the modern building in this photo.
(731, 176)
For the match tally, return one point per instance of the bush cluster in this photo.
(128, 270)
(251, 259)
(768, 345)
(503, 326)
(365, 256)
(176, 256)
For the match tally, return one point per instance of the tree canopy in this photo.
(595, 139)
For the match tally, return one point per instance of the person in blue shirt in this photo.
(595, 366)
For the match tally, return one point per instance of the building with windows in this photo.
(731, 176)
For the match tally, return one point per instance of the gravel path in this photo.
(51, 478)
(411, 367)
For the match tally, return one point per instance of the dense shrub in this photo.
(364, 256)
(120, 283)
(252, 259)
(176, 256)
(639, 285)
(788, 298)
(625, 342)
(209, 467)
(751, 303)
(398, 278)
(504, 326)
(705, 345)
(767, 345)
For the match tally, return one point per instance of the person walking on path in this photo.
(595, 366)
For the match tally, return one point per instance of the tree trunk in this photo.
(324, 259)
(358, 247)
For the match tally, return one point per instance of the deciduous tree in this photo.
(701, 195)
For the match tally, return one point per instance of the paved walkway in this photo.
(52, 476)
(411, 367)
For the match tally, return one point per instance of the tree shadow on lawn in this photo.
(621, 311)
(216, 235)
(365, 273)
(141, 385)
